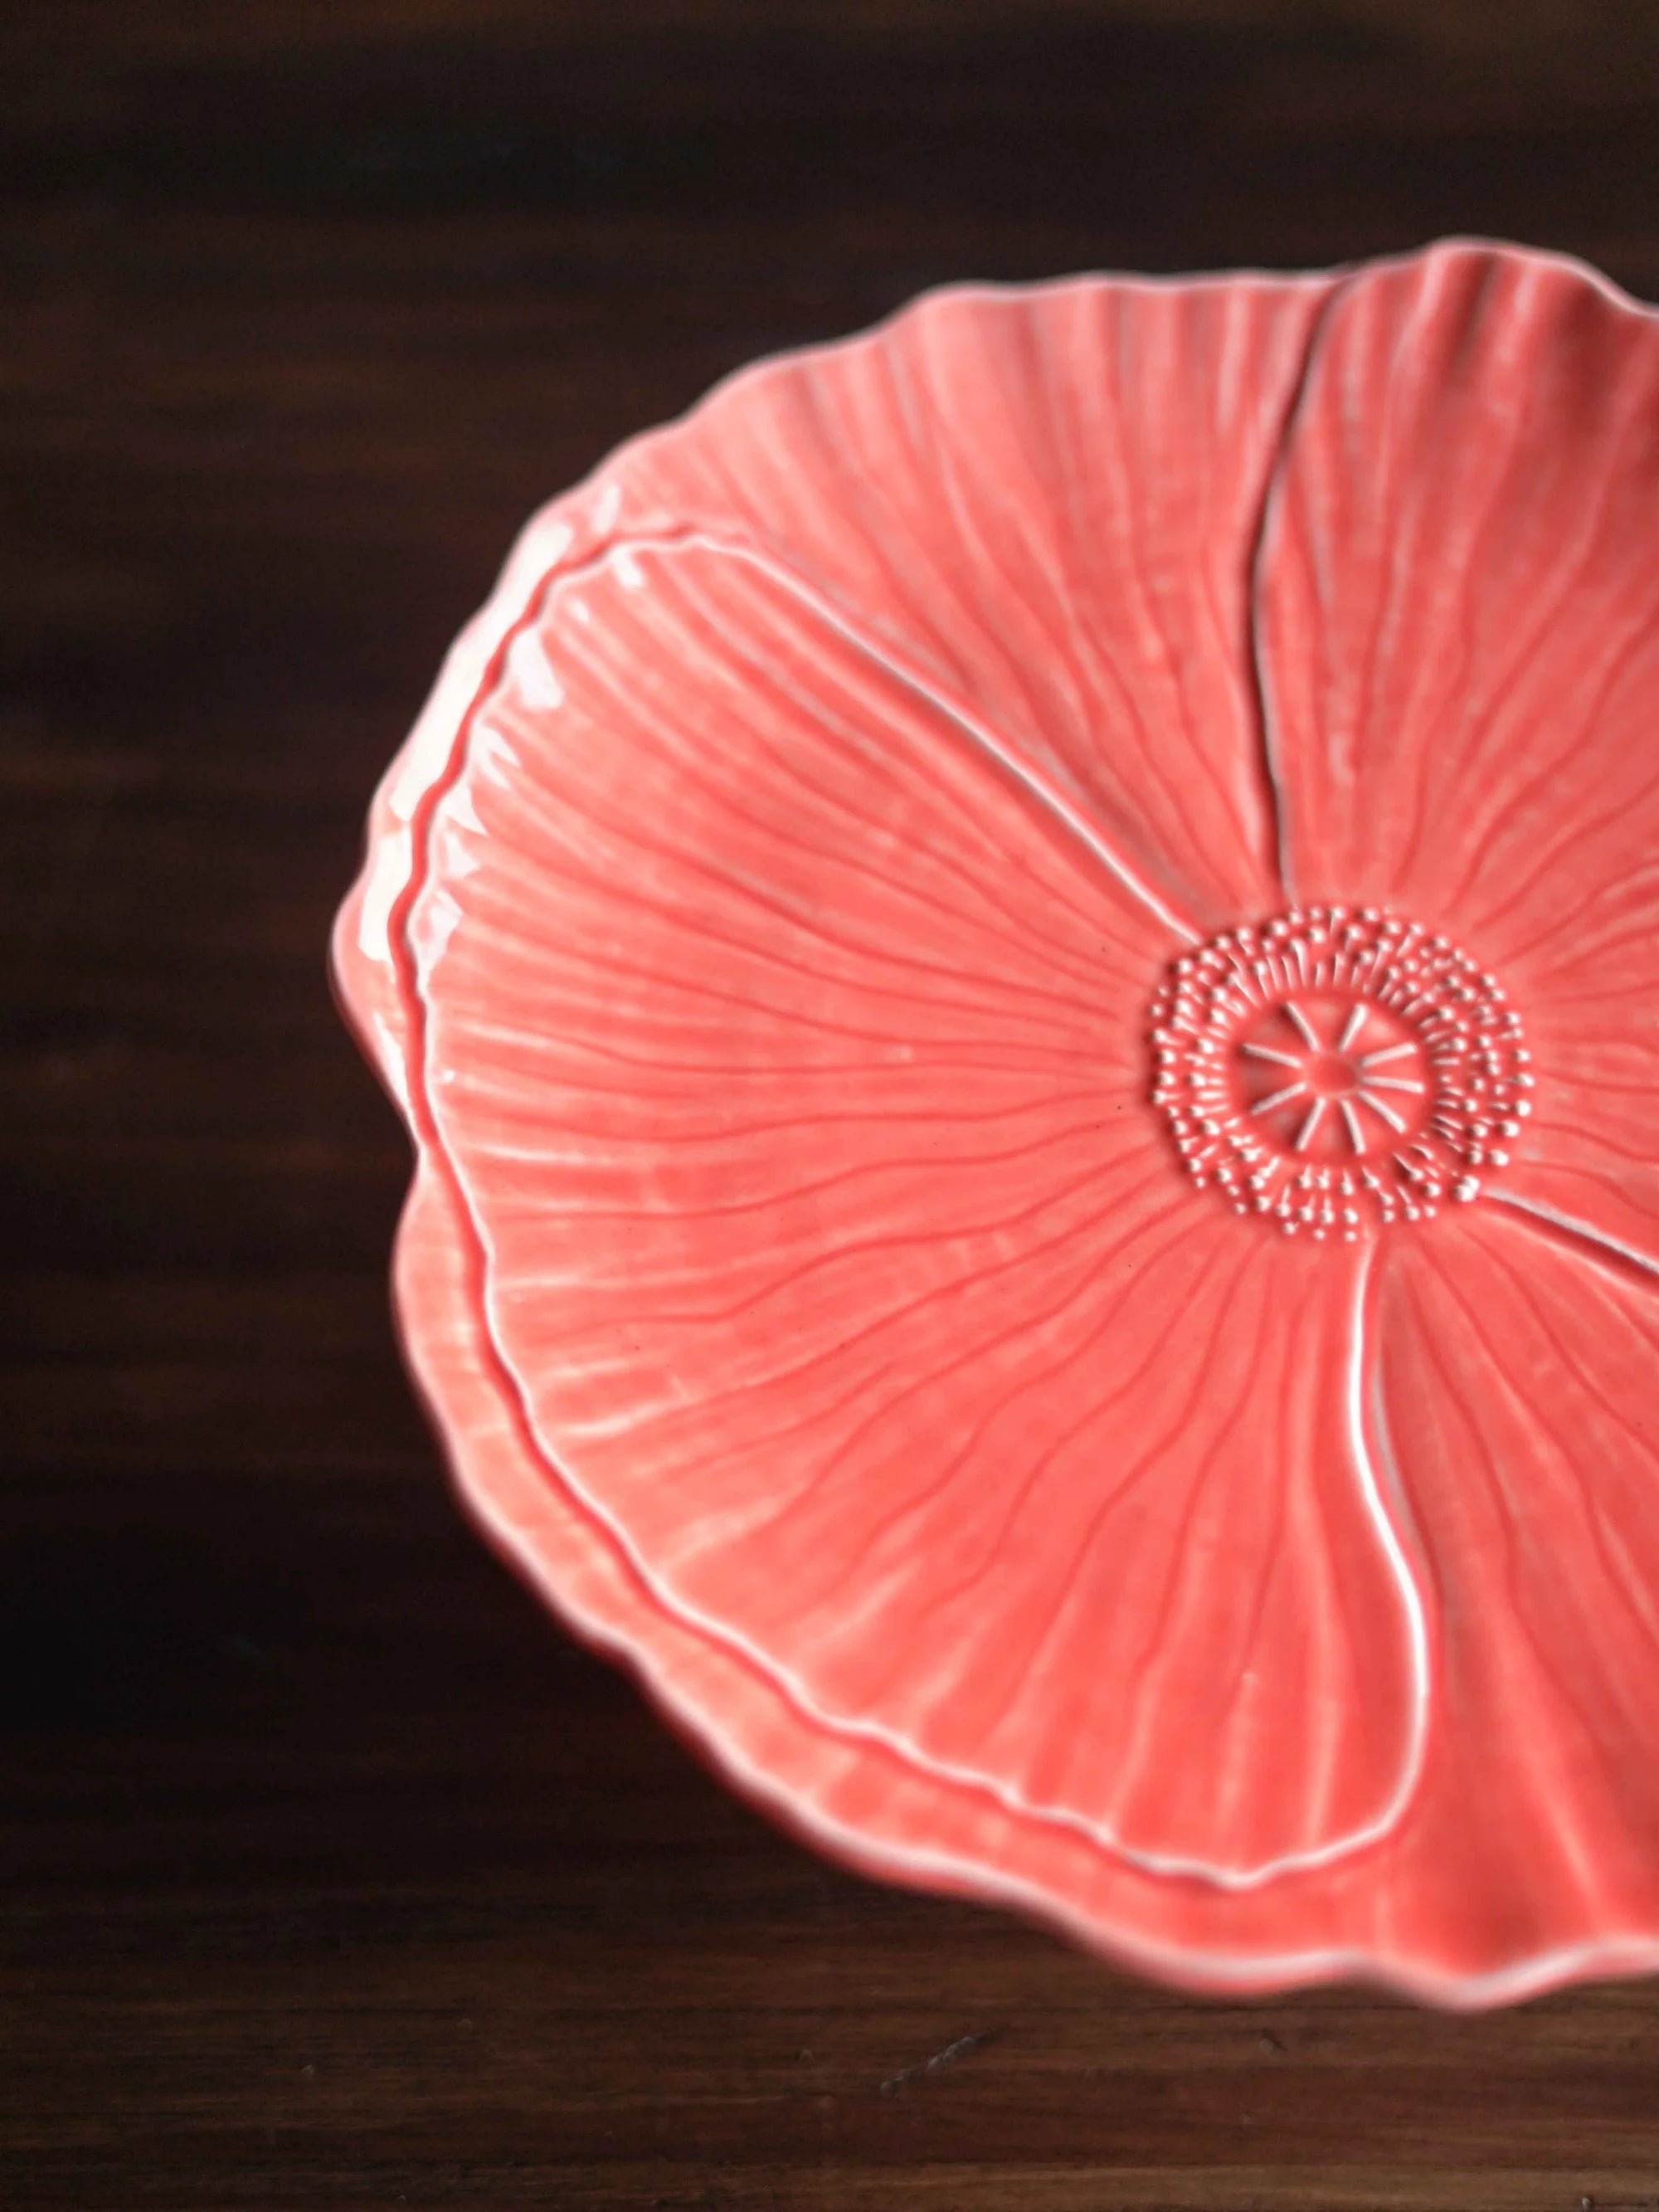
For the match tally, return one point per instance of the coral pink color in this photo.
(1024, 957)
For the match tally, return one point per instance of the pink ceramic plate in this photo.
(1024, 961)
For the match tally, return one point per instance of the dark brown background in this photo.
(332, 1874)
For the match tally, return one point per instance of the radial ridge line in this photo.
(1309, 1033)
(1389, 1052)
(1278, 1098)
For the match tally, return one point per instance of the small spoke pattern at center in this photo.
(1344, 1077)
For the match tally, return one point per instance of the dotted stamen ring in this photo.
(1330, 1069)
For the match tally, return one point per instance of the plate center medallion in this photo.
(1330, 1069)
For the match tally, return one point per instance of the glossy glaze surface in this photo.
(1020, 956)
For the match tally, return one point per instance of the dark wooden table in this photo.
(333, 1873)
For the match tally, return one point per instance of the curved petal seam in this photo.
(984, 739)
(1013, 1800)
(1594, 1245)
(1256, 559)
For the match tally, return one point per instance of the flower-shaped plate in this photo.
(1023, 959)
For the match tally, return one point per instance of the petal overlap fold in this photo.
(789, 1050)
(1457, 608)
(1517, 1381)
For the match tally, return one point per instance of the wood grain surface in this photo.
(334, 1873)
